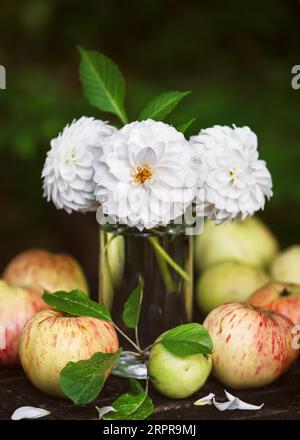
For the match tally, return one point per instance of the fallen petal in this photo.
(207, 400)
(241, 404)
(29, 412)
(104, 410)
(229, 396)
(222, 406)
(235, 403)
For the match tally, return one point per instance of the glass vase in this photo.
(163, 260)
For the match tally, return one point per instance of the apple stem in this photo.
(147, 348)
(285, 292)
(138, 349)
(133, 353)
(137, 338)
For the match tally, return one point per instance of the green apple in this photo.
(226, 282)
(116, 258)
(249, 242)
(286, 266)
(112, 261)
(177, 377)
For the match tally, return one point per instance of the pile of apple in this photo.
(236, 259)
(45, 340)
(23, 282)
(251, 293)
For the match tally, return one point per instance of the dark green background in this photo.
(235, 56)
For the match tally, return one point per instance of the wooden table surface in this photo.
(281, 399)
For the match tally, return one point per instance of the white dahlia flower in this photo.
(68, 169)
(144, 178)
(236, 183)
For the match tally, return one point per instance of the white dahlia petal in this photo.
(235, 181)
(144, 178)
(68, 169)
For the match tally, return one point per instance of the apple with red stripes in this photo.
(45, 271)
(252, 347)
(282, 298)
(51, 339)
(17, 306)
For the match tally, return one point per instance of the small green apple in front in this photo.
(177, 377)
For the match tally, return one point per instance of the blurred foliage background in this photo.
(235, 57)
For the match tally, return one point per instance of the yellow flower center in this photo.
(141, 174)
(232, 174)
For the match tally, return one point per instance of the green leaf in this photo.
(103, 83)
(76, 303)
(185, 125)
(133, 405)
(132, 307)
(187, 339)
(82, 381)
(162, 105)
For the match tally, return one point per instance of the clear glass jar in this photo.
(164, 260)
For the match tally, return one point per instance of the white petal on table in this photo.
(206, 400)
(29, 412)
(235, 403)
(232, 403)
(104, 410)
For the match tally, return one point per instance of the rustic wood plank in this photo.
(282, 400)
(10, 400)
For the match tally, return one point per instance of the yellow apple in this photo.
(51, 339)
(286, 266)
(228, 281)
(249, 242)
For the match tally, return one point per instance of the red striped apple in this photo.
(17, 306)
(282, 298)
(42, 271)
(252, 347)
(51, 339)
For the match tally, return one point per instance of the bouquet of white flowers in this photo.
(146, 177)
(146, 174)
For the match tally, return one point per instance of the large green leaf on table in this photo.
(132, 307)
(162, 105)
(82, 381)
(133, 405)
(103, 83)
(187, 339)
(184, 125)
(76, 303)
